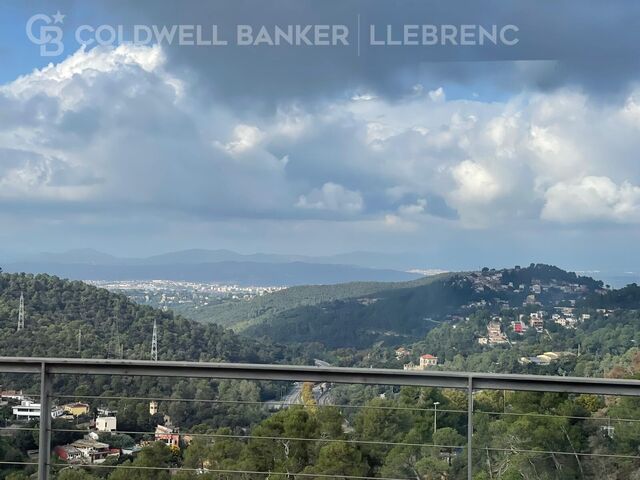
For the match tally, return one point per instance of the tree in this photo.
(116, 440)
(430, 468)
(339, 459)
(380, 424)
(70, 473)
(450, 438)
(154, 460)
(17, 476)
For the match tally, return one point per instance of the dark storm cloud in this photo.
(591, 43)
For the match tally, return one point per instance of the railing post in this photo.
(470, 429)
(44, 443)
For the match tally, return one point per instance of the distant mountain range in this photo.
(90, 256)
(222, 266)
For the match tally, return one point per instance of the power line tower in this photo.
(154, 343)
(21, 313)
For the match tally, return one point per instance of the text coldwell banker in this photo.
(300, 35)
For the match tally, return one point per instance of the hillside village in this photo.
(533, 307)
(96, 438)
(507, 330)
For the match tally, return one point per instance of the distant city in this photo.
(168, 294)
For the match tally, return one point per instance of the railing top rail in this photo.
(370, 376)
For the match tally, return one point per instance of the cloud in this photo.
(437, 95)
(413, 209)
(245, 137)
(332, 197)
(592, 199)
(588, 44)
(475, 183)
(116, 130)
(111, 128)
(57, 80)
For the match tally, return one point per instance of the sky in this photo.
(457, 156)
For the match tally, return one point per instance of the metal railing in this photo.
(469, 382)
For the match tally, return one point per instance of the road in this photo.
(294, 396)
(321, 392)
(323, 396)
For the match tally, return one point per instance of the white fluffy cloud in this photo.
(332, 197)
(475, 184)
(112, 128)
(245, 137)
(592, 199)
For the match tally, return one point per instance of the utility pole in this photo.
(79, 342)
(21, 313)
(435, 416)
(154, 343)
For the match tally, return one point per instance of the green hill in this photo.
(361, 314)
(110, 324)
(627, 298)
(240, 314)
(113, 326)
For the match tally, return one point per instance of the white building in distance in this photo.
(106, 424)
(28, 410)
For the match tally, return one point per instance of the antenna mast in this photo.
(154, 343)
(21, 313)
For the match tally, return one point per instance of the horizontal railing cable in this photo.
(268, 403)
(559, 452)
(28, 429)
(366, 442)
(258, 403)
(552, 415)
(269, 437)
(242, 472)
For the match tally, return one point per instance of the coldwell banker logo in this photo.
(45, 30)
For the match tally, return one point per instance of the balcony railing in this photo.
(470, 383)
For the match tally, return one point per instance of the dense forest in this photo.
(110, 325)
(240, 314)
(627, 297)
(394, 315)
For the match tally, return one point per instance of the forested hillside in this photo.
(393, 315)
(110, 325)
(627, 297)
(240, 314)
(407, 311)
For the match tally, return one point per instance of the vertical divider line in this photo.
(358, 33)
(44, 438)
(470, 429)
